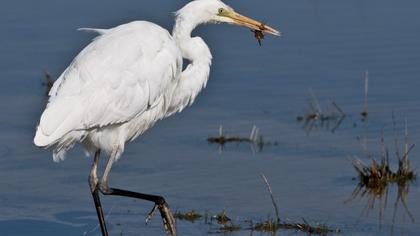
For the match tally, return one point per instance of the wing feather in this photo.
(115, 78)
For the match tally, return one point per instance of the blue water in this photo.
(326, 45)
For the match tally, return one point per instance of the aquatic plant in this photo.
(272, 226)
(190, 216)
(255, 140)
(379, 174)
(222, 217)
(375, 178)
(329, 118)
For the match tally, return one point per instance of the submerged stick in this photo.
(97, 226)
(254, 134)
(338, 109)
(222, 139)
(365, 99)
(272, 197)
(314, 103)
(406, 148)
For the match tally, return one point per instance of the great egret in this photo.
(124, 81)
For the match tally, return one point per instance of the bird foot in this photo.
(167, 217)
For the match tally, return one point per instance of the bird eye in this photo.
(221, 10)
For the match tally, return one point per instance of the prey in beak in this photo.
(257, 27)
(259, 35)
(241, 20)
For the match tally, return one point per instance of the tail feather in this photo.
(62, 144)
(59, 153)
(58, 120)
(42, 140)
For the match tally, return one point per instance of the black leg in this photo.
(160, 203)
(94, 188)
(125, 193)
(99, 212)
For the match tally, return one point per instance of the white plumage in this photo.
(124, 81)
(116, 88)
(128, 78)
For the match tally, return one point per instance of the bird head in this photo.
(215, 11)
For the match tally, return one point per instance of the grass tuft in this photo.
(272, 226)
(377, 175)
(329, 117)
(190, 216)
(222, 217)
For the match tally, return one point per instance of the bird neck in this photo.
(195, 75)
(193, 49)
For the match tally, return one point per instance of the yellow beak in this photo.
(241, 20)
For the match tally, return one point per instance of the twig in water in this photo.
(365, 98)
(97, 226)
(338, 109)
(222, 139)
(314, 104)
(254, 139)
(190, 216)
(254, 134)
(406, 139)
(315, 117)
(222, 218)
(272, 197)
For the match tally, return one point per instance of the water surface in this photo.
(326, 45)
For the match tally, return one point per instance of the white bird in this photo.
(124, 81)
